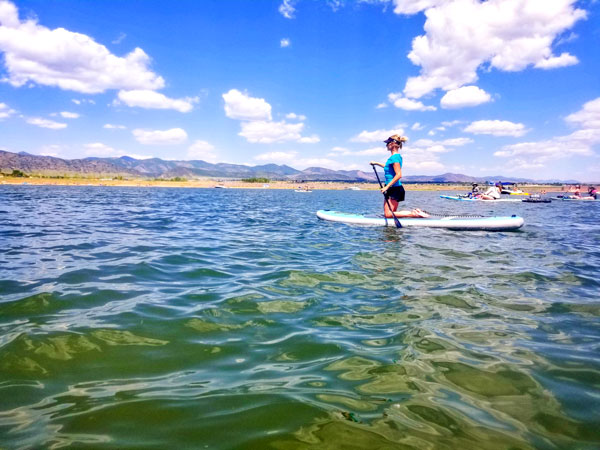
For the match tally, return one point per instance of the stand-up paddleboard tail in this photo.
(451, 222)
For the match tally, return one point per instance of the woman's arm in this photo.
(375, 163)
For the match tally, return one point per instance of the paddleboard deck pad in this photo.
(508, 223)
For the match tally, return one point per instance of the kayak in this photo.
(302, 190)
(450, 222)
(467, 199)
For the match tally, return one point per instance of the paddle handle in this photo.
(396, 221)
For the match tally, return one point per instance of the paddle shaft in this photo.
(396, 221)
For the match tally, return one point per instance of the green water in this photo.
(228, 319)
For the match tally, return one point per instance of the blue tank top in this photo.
(389, 168)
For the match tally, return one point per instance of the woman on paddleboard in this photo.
(393, 190)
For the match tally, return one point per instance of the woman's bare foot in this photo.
(419, 213)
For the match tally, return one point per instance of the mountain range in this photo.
(128, 167)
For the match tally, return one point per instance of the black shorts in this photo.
(396, 193)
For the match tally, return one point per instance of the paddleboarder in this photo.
(393, 190)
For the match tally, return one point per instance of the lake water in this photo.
(226, 319)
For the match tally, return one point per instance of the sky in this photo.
(497, 87)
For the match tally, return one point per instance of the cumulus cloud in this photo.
(381, 105)
(399, 101)
(5, 111)
(588, 116)
(285, 42)
(276, 157)
(579, 143)
(202, 150)
(454, 142)
(496, 128)
(46, 123)
(373, 151)
(258, 126)
(267, 132)
(461, 36)
(160, 137)
(101, 150)
(68, 60)
(241, 106)
(463, 97)
(377, 135)
(417, 126)
(148, 99)
(110, 126)
(69, 115)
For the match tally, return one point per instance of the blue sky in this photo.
(507, 87)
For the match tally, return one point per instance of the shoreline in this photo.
(236, 184)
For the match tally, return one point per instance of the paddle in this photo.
(396, 221)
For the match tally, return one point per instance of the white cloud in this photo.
(285, 42)
(496, 128)
(463, 97)
(202, 150)
(580, 143)
(588, 116)
(417, 126)
(81, 101)
(110, 126)
(160, 137)
(46, 123)
(309, 139)
(68, 60)
(276, 157)
(101, 150)
(69, 115)
(243, 107)
(287, 9)
(455, 142)
(552, 62)
(143, 98)
(451, 123)
(381, 106)
(257, 125)
(342, 151)
(377, 135)
(461, 36)
(294, 116)
(266, 132)
(5, 111)
(407, 104)
(119, 38)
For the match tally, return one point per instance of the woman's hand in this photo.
(384, 189)
(375, 163)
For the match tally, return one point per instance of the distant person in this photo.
(393, 190)
(475, 191)
(593, 192)
(577, 191)
(492, 193)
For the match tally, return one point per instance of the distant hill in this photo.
(128, 167)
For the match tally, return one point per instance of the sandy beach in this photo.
(237, 184)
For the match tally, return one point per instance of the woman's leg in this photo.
(386, 210)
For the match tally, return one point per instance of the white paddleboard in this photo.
(451, 222)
